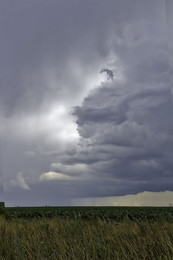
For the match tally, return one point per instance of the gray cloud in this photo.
(138, 146)
(110, 73)
(51, 56)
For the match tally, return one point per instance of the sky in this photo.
(86, 102)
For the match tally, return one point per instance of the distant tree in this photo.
(2, 207)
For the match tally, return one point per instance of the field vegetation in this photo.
(82, 233)
(115, 213)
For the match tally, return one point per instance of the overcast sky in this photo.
(86, 101)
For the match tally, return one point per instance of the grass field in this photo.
(115, 213)
(86, 233)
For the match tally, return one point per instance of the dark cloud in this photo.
(110, 74)
(41, 40)
(169, 19)
(1, 172)
(51, 56)
(139, 146)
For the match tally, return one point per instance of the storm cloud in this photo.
(67, 130)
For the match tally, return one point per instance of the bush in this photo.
(2, 207)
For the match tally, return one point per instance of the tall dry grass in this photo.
(60, 239)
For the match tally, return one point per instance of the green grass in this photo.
(62, 238)
(115, 213)
(90, 233)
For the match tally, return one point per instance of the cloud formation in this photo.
(68, 131)
(110, 74)
(19, 182)
(55, 176)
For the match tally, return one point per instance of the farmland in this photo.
(114, 213)
(87, 233)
